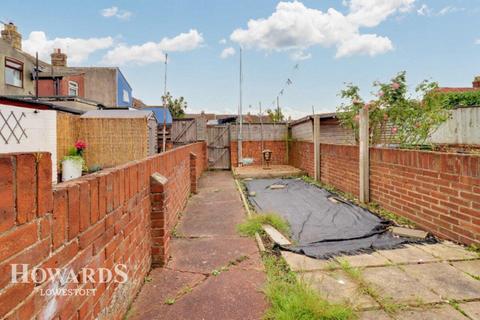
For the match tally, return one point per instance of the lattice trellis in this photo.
(11, 127)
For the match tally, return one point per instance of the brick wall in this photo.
(339, 167)
(253, 149)
(439, 191)
(97, 221)
(301, 155)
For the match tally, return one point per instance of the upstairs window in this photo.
(13, 72)
(72, 88)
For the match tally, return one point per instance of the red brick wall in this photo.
(301, 156)
(253, 149)
(439, 191)
(97, 221)
(46, 87)
(339, 167)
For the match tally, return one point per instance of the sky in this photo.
(308, 48)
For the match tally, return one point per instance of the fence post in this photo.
(316, 146)
(364, 157)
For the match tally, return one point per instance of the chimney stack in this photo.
(12, 36)
(59, 59)
(476, 82)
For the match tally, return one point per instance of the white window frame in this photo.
(16, 66)
(72, 86)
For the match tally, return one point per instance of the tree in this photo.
(394, 116)
(177, 106)
(276, 115)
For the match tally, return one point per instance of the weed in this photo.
(292, 298)
(147, 279)
(170, 301)
(254, 224)
(474, 248)
(456, 306)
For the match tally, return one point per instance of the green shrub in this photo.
(254, 224)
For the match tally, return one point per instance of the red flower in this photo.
(394, 130)
(80, 145)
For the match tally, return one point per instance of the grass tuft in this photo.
(292, 298)
(254, 224)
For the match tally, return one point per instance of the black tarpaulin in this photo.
(322, 225)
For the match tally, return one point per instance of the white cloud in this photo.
(294, 27)
(477, 41)
(227, 52)
(449, 9)
(424, 10)
(116, 12)
(300, 55)
(77, 49)
(151, 52)
(222, 41)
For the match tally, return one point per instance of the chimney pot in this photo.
(12, 36)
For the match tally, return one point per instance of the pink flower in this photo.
(380, 93)
(357, 118)
(366, 106)
(356, 101)
(394, 130)
(395, 85)
(80, 145)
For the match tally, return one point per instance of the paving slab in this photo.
(276, 236)
(365, 260)
(231, 295)
(300, 262)
(471, 267)
(448, 251)
(472, 309)
(409, 233)
(445, 280)
(444, 312)
(374, 315)
(402, 288)
(408, 254)
(337, 287)
(162, 285)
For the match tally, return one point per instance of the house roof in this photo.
(448, 89)
(29, 102)
(159, 114)
(118, 114)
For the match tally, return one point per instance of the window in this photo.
(126, 96)
(72, 88)
(13, 72)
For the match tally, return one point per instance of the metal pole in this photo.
(164, 143)
(240, 115)
(36, 75)
(278, 109)
(364, 157)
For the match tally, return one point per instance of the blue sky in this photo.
(357, 41)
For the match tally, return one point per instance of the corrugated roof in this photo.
(118, 114)
(159, 112)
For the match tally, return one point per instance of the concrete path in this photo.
(431, 282)
(213, 272)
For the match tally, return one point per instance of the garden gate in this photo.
(218, 138)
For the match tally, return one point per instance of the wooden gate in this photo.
(218, 138)
(184, 131)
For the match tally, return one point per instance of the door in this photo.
(218, 138)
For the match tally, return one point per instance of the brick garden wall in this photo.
(438, 191)
(301, 156)
(253, 149)
(97, 221)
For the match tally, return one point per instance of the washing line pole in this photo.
(240, 116)
(165, 107)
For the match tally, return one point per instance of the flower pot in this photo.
(71, 169)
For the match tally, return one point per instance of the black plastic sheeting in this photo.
(320, 227)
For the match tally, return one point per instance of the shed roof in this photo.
(159, 112)
(116, 114)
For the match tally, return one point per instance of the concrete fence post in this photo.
(193, 172)
(316, 147)
(159, 219)
(364, 160)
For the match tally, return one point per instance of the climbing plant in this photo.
(395, 117)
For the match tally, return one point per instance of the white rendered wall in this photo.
(40, 129)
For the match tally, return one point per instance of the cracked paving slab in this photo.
(443, 312)
(445, 280)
